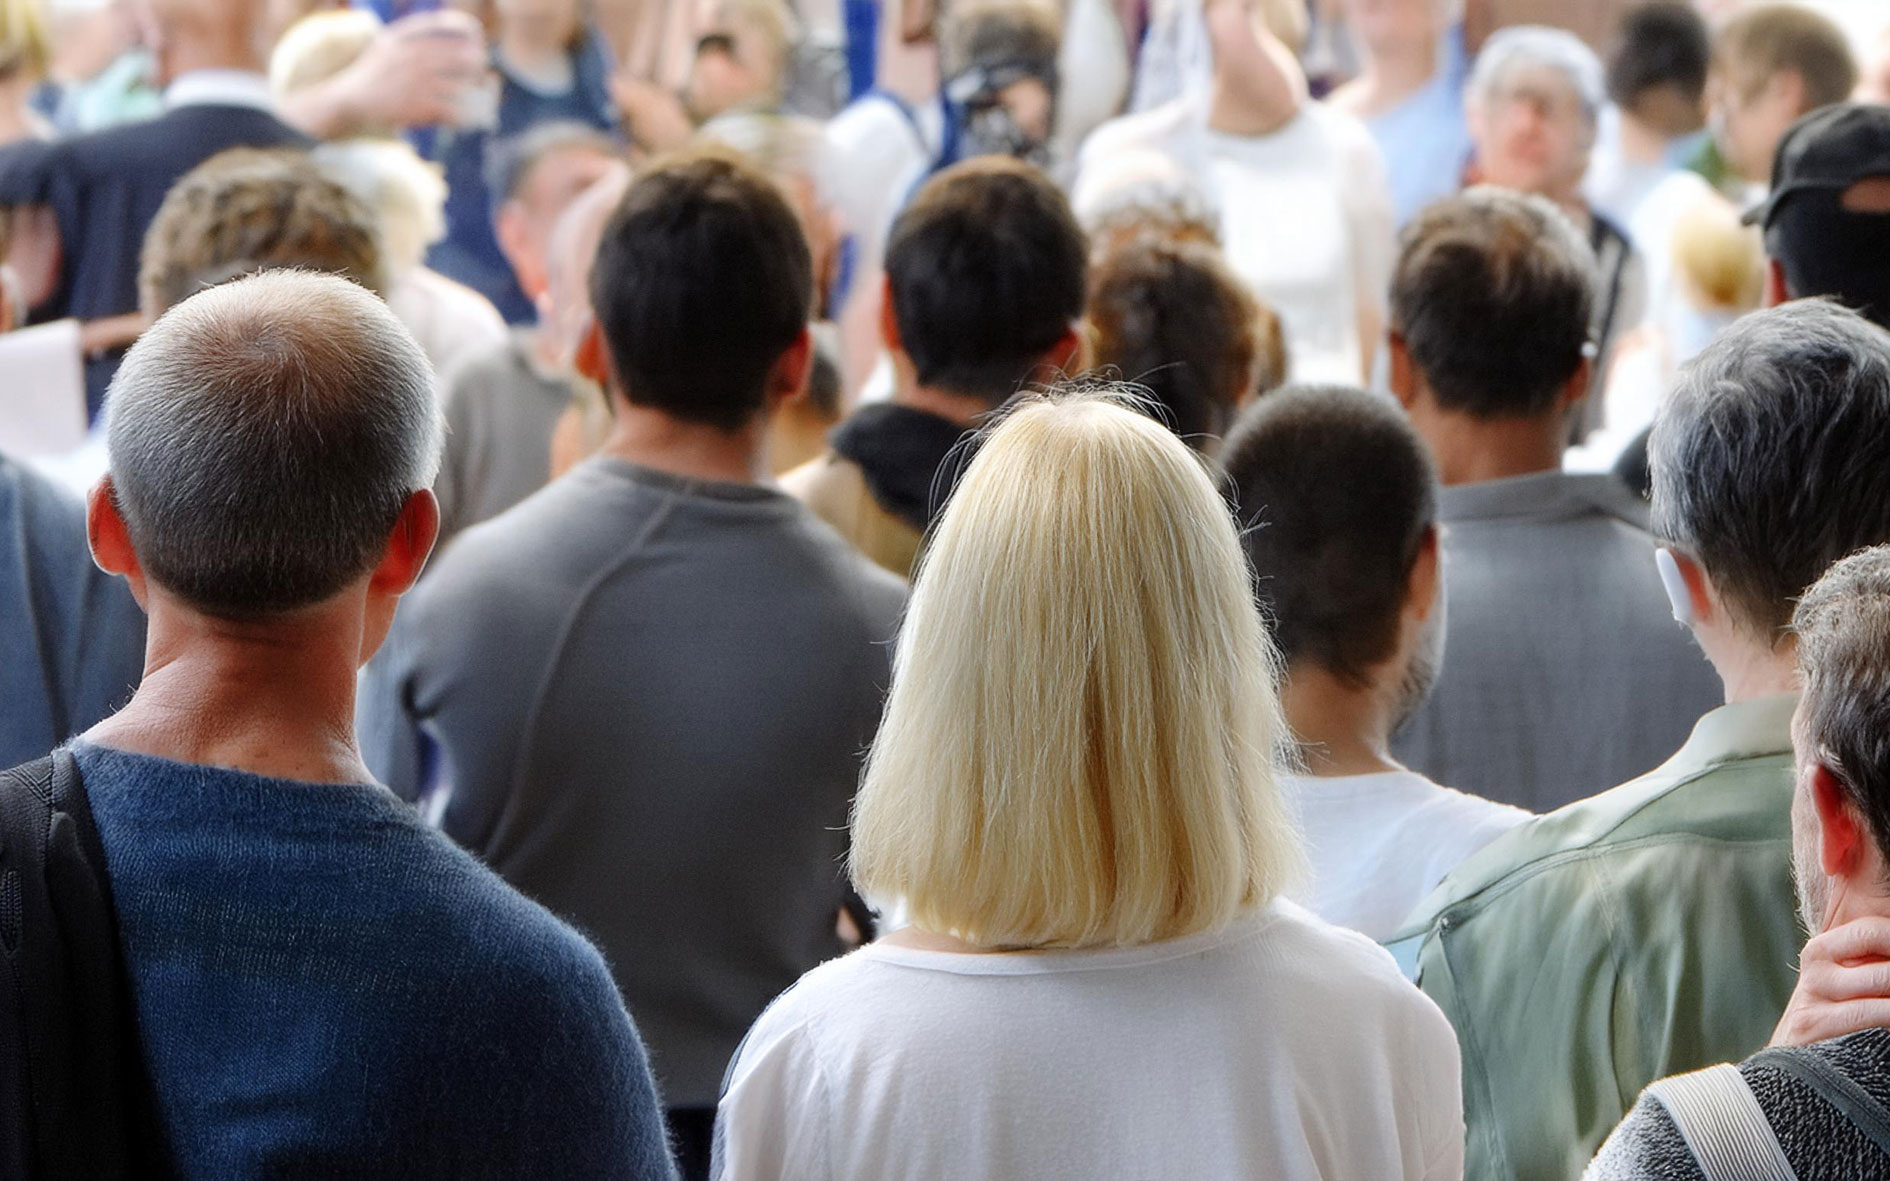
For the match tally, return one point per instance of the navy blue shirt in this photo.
(326, 987)
(105, 188)
(71, 636)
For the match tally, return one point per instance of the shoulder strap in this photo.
(25, 818)
(1834, 1087)
(87, 1109)
(1723, 1126)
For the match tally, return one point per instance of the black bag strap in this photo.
(83, 1099)
(1834, 1087)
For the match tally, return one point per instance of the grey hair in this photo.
(1539, 45)
(1843, 630)
(1768, 457)
(265, 435)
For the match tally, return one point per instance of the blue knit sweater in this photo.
(326, 987)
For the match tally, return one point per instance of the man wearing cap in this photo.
(1827, 222)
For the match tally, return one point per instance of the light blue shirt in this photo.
(1424, 139)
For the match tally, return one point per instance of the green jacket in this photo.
(1648, 931)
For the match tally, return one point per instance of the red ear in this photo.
(1841, 829)
(593, 358)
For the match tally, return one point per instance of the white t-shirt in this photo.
(1306, 217)
(1378, 844)
(1277, 1047)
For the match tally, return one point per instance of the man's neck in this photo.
(1641, 144)
(526, 53)
(1472, 450)
(963, 409)
(273, 699)
(649, 438)
(1748, 669)
(1342, 728)
(187, 56)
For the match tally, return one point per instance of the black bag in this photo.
(75, 1100)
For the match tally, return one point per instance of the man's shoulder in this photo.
(1725, 801)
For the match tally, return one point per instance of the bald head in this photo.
(265, 435)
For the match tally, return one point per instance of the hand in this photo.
(1843, 985)
(654, 116)
(415, 73)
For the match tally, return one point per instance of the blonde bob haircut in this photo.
(1081, 743)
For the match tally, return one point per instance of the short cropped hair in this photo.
(513, 161)
(1761, 41)
(247, 210)
(1080, 748)
(702, 280)
(1493, 293)
(1174, 319)
(1768, 457)
(987, 270)
(1538, 47)
(1664, 43)
(1336, 495)
(1843, 630)
(264, 437)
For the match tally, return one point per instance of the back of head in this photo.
(248, 210)
(1079, 745)
(1492, 295)
(25, 44)
(264, 437)
(1006, 38)
(1336, 493)
(1767, 458)
(1843, 631)
(1760, 41)
(986, 270)
(1827, 222)
(1171, 317)
(1662, 48)
(702, 281)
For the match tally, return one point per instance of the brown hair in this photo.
(1170, 316)
(247, 210)
(1768, 39)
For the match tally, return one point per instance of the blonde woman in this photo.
(1073, 795)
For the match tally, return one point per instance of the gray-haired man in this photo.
(1820, 1106)
(1652, 928)
(320, 981)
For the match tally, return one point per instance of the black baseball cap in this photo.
(1828, 150)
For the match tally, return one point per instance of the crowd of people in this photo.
(945, 588)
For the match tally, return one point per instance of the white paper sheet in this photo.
(42, 390)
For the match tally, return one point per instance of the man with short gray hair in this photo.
(319, 980)
(1813, 1102)
(1652, 929)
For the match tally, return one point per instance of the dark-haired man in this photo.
(642, 694)
(320, 982)
(1566, 671)
(984, 287)
(1652, 928)
(1820, 1106)
(1348, 571)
